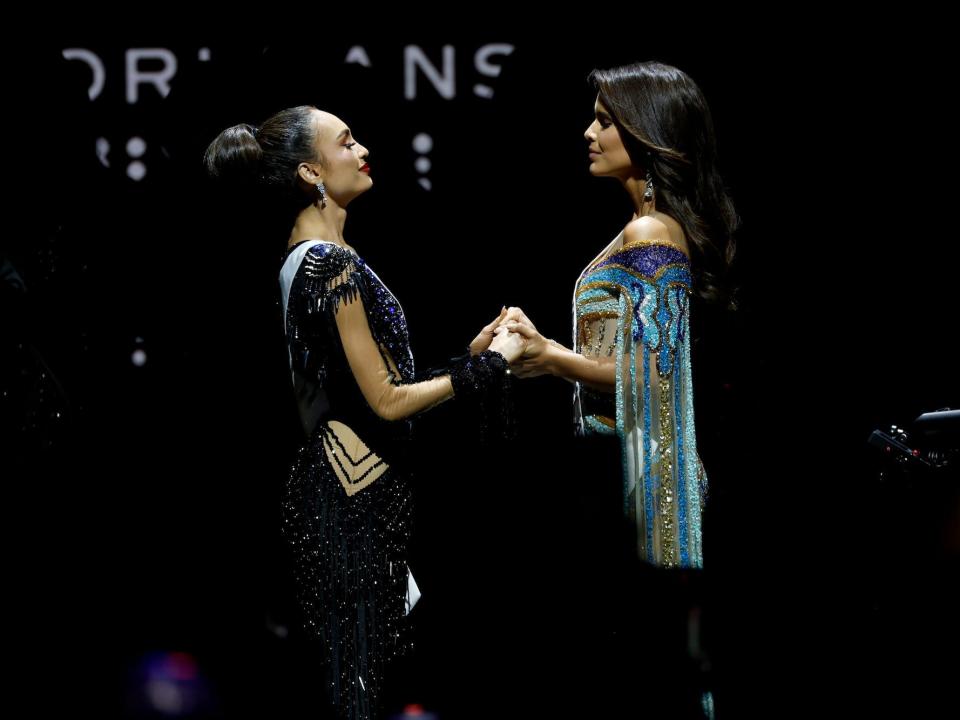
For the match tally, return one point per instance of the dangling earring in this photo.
(648, 191)
(323, 198)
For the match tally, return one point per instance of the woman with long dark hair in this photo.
(632, 307)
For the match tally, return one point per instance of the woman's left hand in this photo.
(510, 345)
(483, 339)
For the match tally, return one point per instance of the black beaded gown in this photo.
(350, 561)
(348, 502)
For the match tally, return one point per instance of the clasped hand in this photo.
(514, 336)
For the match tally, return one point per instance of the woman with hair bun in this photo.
(348, 501)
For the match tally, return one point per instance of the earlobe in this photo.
(308, 174)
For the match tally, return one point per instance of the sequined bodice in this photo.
(324, 385)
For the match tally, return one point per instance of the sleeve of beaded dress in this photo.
(633, 307)
(340, 289)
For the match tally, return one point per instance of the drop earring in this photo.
(323, 198)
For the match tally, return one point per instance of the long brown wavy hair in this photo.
(667, 128)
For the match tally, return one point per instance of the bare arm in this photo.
(600, 373)
(551, 358)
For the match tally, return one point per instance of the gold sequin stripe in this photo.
(599, 315)
(604, 420)
(665, 493)
(586, 331)
(583, 336)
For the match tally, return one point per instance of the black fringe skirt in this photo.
(350, 563)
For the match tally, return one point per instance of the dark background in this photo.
(144, 512)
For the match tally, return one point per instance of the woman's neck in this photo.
(313, 223)
(635, 188)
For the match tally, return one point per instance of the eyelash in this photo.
(350, 145)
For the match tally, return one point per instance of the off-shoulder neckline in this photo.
(652, 241)
(634, 244)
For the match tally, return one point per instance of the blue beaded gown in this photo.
(347, 503)
(631, 303)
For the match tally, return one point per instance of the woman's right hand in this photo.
(483, 339)
(509, 344)
(539, 352)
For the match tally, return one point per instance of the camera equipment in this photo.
(931, 446)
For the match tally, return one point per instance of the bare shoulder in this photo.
(658, 228)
